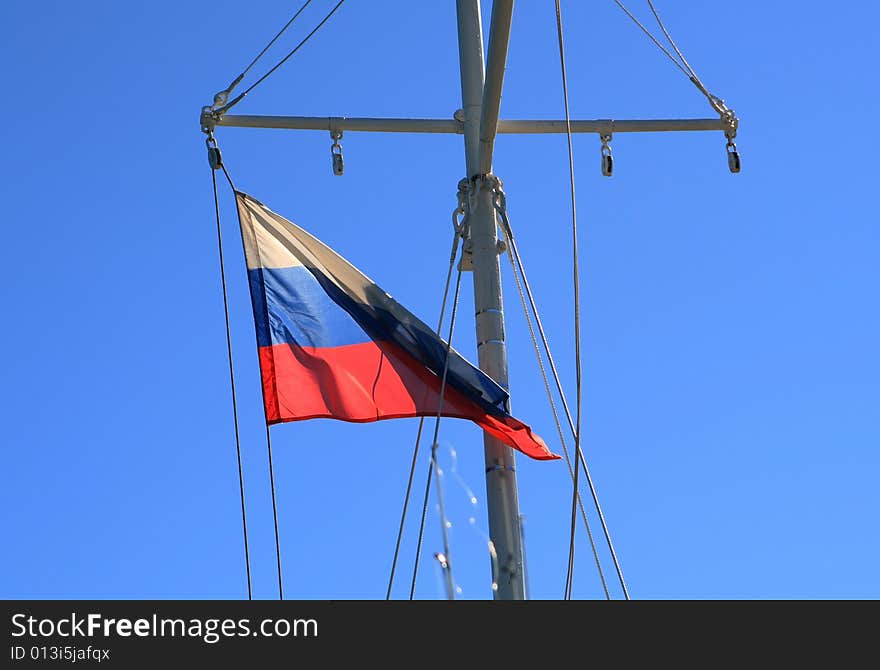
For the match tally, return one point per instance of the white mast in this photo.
(481, 99)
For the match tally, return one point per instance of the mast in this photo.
(481, 99)
(478, 121)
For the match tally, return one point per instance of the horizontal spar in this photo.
(609, 126)
(520, 126)
(330, 123)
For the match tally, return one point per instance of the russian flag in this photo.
(333, 344)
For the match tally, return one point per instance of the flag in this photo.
(333, 344)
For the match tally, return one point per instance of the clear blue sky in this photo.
(732, 373)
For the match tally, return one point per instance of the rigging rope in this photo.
(581, 460)
(577, 306)
(412, 586)
(225, 108)
(412, 470)
(432, 465)
(268, 435)
(274, 512)
(247, 560)
(555, 372)
(222, 96)
(651, 36)
(714, 101)
(576, 427)
(409, 483)
(447, 571)
(690, 70)
(501, 208)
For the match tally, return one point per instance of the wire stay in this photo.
(221, 97)
(577, 305)
(215, 162)
(452, 256)
(226, 107)
(727, 115)
(558, 383)
(432, 466)
(274, 512)
(515, 263)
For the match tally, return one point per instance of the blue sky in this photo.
(731, 367)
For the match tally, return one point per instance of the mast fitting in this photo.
(215, 160)
(607, 157)
(336, 153)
